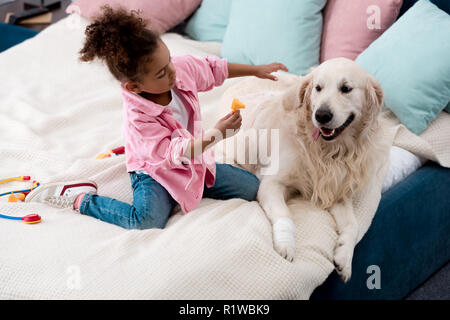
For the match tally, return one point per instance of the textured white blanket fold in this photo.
(57, 114)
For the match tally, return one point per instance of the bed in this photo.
(57, 114)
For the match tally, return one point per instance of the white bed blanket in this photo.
(57, 114)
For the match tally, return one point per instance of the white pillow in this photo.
(402, 164)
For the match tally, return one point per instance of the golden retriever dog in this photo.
(329, 142)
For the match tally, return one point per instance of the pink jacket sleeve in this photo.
(207, 72)
(158, 146)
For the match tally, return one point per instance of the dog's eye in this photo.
(318, 88)
(345, 89)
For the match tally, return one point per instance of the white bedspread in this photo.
(56, 115)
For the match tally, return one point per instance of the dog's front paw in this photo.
(285, 249)
(284, 238)
(343, 255)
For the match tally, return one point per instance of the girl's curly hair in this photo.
(121, 39)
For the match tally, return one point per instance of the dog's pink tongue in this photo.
(316, 133)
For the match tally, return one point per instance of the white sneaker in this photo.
(61, 194)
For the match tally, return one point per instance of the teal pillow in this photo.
(411, 62)
(447, 108)
(210, 21)
(265, 31)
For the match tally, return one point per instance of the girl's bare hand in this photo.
(230, 121)
(264, 71)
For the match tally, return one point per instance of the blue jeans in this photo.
(152, 203)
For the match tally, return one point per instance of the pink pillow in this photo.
(349, 27)
(162, 14)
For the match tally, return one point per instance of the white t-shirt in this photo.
(179, 113)
(179, 110)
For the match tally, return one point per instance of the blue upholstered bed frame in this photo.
(10, 35)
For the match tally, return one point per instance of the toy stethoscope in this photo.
(31, 218)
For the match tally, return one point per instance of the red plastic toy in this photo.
(30, 218)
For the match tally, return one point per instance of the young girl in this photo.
(162, 128)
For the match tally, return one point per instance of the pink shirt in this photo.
(156, 141)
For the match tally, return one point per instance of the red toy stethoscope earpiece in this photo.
(29, 219)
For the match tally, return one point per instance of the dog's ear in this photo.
(374, 101)
(305, 90)
(374, 94)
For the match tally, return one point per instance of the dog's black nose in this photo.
(323, 116)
